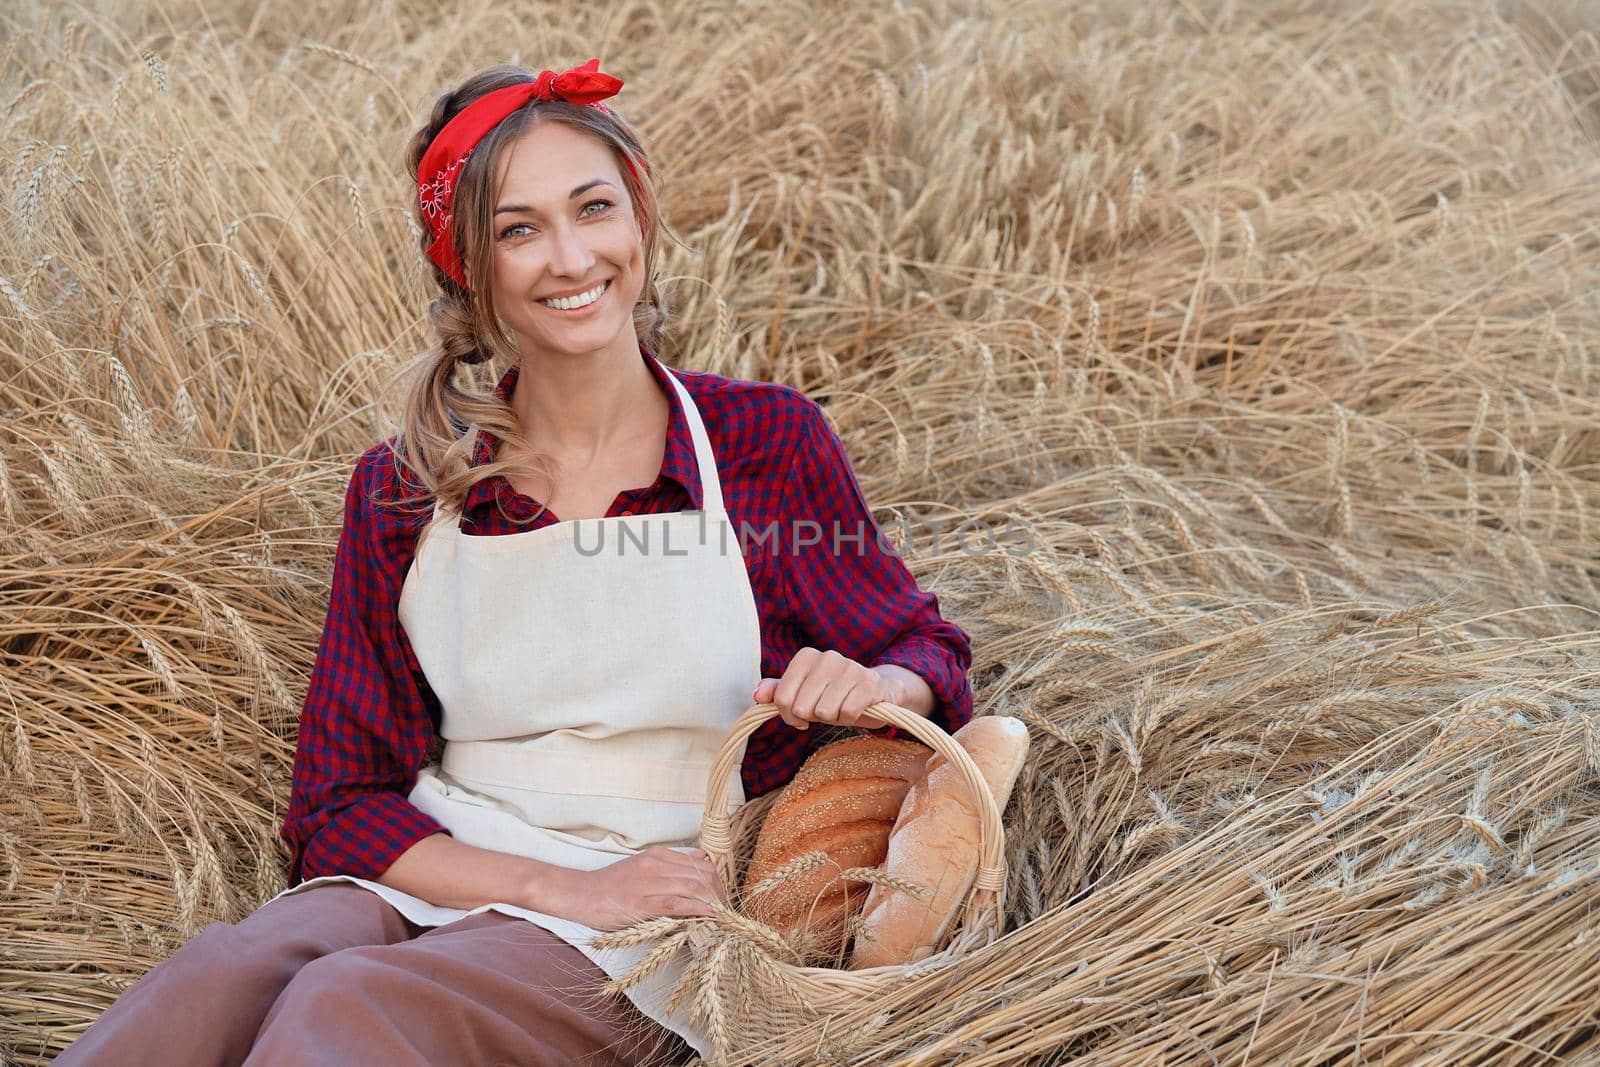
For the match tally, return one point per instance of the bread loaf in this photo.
(843, 800)
(934, 842)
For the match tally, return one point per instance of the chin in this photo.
(580, 342)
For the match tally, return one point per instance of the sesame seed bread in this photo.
(843, 800)
(934, 842)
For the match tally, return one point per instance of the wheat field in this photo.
(1272, 326)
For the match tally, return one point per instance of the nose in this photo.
(569, 255)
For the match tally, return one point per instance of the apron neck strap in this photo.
(710, 483)
(705, 460)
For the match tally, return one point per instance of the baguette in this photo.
(934, 843)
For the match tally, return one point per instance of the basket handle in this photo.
(716, 836)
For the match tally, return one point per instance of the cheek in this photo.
(633, 255)
(509, 269)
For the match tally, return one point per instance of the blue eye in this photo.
(593, 203)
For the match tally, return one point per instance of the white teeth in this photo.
(567, 303)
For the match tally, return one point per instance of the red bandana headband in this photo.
(441, 164)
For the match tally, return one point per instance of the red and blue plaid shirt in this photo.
(370, 719)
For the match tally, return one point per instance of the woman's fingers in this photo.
(706, 874)
(721, 891)
(791, 718)
(692, 889)
(707, 871)
(679, 905)
(701, 871)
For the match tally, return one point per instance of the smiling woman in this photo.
(583, 699)
(530, 206)
(568, 265)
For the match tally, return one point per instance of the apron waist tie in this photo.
(523, 765)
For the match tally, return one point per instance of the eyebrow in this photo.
(507, 209)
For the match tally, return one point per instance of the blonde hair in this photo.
(439, 419)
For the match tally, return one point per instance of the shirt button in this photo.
(626, 511)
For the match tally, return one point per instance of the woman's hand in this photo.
(653, 882)
(827, 687)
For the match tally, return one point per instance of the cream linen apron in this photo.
(587, 673)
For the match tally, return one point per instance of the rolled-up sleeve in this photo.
(365, 727)
(849, 591)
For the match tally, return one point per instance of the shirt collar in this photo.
(678, 462)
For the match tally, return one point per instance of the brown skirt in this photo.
(335, 975)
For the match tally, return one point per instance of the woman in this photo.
(577, 583)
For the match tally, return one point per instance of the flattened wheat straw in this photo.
(1296, 402)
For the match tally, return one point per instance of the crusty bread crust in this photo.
(934, 843)
(844, 800)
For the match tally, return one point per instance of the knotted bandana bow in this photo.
(436, 174)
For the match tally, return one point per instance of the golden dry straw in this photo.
(1229, 370)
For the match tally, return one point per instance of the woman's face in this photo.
(563, 227)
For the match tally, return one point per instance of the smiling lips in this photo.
(582, 300)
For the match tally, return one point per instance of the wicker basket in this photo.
(743, 982)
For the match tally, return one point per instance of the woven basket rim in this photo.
(984, 905)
